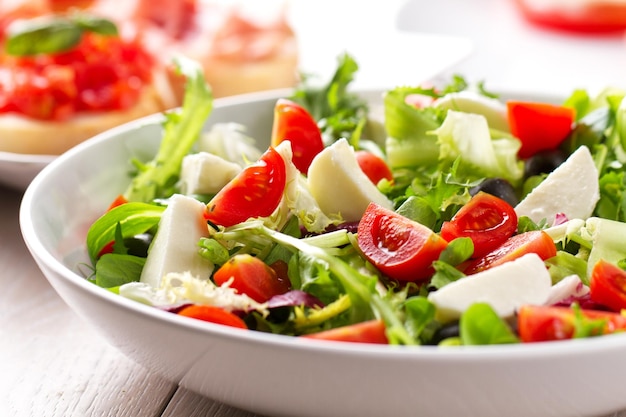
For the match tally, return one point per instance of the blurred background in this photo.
(537, 45)
(531, 44)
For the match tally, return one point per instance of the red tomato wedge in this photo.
(214, 315)
(373, 166)
(252, 277)
(119, 200)
(486, 219)
(546, 323)
(399, 247)
(254, 192)
(372, 331)
(607, 285)
(539, 126)
(294, 123)
(516, 246)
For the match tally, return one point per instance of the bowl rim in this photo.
(423, 352)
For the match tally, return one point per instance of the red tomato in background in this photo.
(101, 73)
(399, 247)
(516, 246)
(539, 126)
(607, 285)
(373, 166)
(254, 192)
(486, 219)
(214, 315)
(546, 323)
(294, 123)
(372, 331)
(252, 277)
(592, 17)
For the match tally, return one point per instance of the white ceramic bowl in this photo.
(285, 376)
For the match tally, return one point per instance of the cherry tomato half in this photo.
(372, 331)
(252, 277)
(545, 323)
(516, 246)
(214, 315)
(294, 123)
(539, 126)
(607, 285)
(399, 247)
(486, 219)
(373, 166)
(255, 192)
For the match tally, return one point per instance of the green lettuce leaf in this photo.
(182, 128)
(480, 325)
(466, 137)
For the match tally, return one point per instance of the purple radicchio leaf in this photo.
(294, 298)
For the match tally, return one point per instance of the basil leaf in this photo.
(419, 314)
(134, 218)
(48, 35)
(42, 36)
(480, 325)
(114, 269)
(95, 24)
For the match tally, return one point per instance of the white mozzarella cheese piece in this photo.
(472, 102)
(504, 287)
(571, 189)
(339, 185)
(205, 173)
(175, 246)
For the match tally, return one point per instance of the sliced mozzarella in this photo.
(571, 189)
(504, 287)
(297, 197)
(472, 102)
(175, 246)
(339, 185)
(205, 173)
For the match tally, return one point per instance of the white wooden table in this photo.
(53, 364)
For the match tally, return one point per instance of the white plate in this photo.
(286, 376)
(18, 170)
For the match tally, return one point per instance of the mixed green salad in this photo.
(453, 217)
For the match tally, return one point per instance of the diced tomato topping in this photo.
(102, 73)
